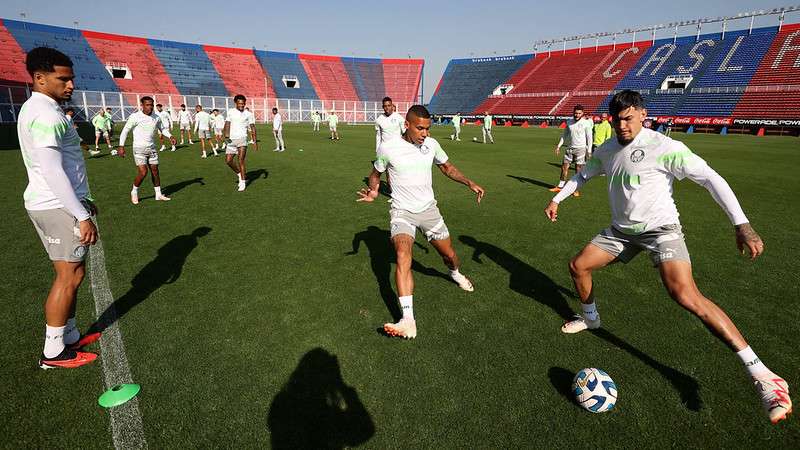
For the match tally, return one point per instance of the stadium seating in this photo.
(240, 71)
(329, 77)
(401, 78)
(367, 77)
(11, 51)
(279, 65)
(189, 67)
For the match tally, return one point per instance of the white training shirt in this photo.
(166, 119)
(239, 123)
(277, 122)
(409, 169)
(457, 121)
(315, 117)
(219, 121)
(251, 118)
(143, 127)
(578, 134)
(202, 121)
(640, 177)
(184, 117)
(487, 121)
(388, 127)
(46, 136)
(333, 119)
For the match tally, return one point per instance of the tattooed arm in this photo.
(747, 237)
(452, 172)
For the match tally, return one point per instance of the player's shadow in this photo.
(257, 174)
(526, 280)
(175, 187)
(166, 268)
(382, 256)
(316, 409)
(531, 181)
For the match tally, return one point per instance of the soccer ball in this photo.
(113, 153)
(594, 390)
(474, 139)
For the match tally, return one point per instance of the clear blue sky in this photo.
(436, 31)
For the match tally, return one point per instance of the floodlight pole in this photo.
(699, 26)
(675, 36)
(780, 21)
(724, 26)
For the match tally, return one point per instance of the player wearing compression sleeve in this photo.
(641, 166)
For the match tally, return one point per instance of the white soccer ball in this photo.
(113, 153)
(594, 390)
(474, 139)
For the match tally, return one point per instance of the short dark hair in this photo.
(44, 59)
(183, 105)
(386, 99)
(159, 105)
(145, 98)
(577, 107)
(625, 99)
(274, 109)
(215, 110)
(69, 109)
(238, 97)
(418, 111)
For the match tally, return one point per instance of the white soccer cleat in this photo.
(190, 142)
(181, 143)
(94, 152)
(204, 155)
(242, 185)
(134, 198)
(163, 198)
(463, 282)
(163, 147)
(172, 149)
(277, 150)
(251, 141)
(579, 324)
(406, 329)
(774, 393)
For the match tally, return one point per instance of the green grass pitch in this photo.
(263, 331)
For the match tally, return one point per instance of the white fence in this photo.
(88, 103)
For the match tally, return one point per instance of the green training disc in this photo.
(118, 395)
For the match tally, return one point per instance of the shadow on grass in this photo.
(257, 174)
(175, 187)
(382, 256)
(166, 268)
(561, 379)
(316, 409)
(531, 181)
(526, 280)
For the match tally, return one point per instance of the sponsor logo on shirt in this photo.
(424, 149)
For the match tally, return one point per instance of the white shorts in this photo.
(204, 134)
(576, 155)
(332, 127)
(99, 133)
(233, 147)
(186, 126)
(144, 156)
(430, 222)
(217, 131)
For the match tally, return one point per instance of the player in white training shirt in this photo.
(57, 200)
(333, 121)
(251, 120)
(456, 127)
(237, 125)
(578, 137)
(487, 127)
(409, 160)
(144, 124)
(219, 124)
(202, 128)
(388, 126)
(277, 130)
(641, 166)
(185, 123)
(166, 124)
(315, 119)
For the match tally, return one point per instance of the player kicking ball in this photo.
(143, 124)
(641, 166)
(408, 159)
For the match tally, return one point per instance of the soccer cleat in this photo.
(579, 324)
(181, 143)
(277, 150)
(163, 147)
(94, 152)
(464, 283)
(135, 198)
(774, 393)
(576, 194)
(406, 329)
(242, 185)
(86, 339)
(190, 142)
(555, 189)
(163, 198)
(67, 359)
(172, 149)
(204, 155)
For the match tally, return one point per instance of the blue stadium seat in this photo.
(189, 68)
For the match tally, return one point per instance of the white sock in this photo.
(135, 190)
(71, 333)
(561, 183)
(407, 304)
(158, 191)
(751, 362)
(53, 341)
(456, 275)
(590, 311)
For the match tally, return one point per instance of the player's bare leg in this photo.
(242, 169)
(141, 172)
(406, 328)
(589, 259)
(578, 168)
(157, 183)
(445, 249)
(563, 178)
(203, 146)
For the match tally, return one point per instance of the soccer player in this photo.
(388, 125)
(143, 124)
(487, 127)
(58, 201)
(277, 130)
(185, 123)
(641, 166)
(456, 127)
(219, 125)
(668, 127)
(315, 119)
(237, 123)
(251, 121)
(333, 119)
(100, 129)
(166, 124)
(578, 137)
(414, 206)
(601, 132)
(202, 124)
